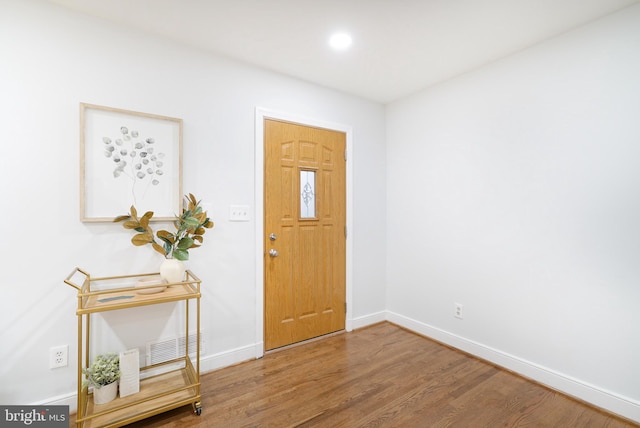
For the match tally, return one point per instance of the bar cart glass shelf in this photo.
(164, 386)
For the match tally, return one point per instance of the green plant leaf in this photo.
(185, 243)
(180, 254)
(167, 244)
(134, 212)
(192, 222)
(121, 218)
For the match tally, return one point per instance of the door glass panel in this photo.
(307, 194)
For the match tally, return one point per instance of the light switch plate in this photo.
(239, 213)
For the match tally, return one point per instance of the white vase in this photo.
(172, 270)
(105, 393)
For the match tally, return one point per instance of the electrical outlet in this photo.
(59, 356)
(457, 310)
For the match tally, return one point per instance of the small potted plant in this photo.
(190, 226)
(103, 375)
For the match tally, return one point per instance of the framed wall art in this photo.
(129, 158)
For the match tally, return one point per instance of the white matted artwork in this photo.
(129, 158)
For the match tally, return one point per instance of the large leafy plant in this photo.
(190, 228)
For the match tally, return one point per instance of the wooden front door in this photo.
(305, 244)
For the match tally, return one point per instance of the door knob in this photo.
(273, 253)
(273, 237)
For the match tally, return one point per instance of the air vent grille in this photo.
(172, 348)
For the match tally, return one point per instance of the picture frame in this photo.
(129, 158)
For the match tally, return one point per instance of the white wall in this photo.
(511, 190)
(53, 59)
(514, 190)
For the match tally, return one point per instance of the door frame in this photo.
(261, 115)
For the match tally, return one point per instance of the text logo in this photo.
(34, 416)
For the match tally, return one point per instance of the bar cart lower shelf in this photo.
(157, 394)
(164, 386)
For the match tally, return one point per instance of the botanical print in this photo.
(135, 159)
(129, 158)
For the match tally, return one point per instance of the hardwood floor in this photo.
(379, 376)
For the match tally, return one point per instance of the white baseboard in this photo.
(369, 319)
(70, 400)
(227, 358)
(598, 397)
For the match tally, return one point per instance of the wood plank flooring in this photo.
(379, 376)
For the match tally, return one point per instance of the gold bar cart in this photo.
(169, 384)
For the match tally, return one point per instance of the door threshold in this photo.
(304, 342)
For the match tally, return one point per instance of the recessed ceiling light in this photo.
(340, 41)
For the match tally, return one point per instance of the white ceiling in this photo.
(399, 46)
